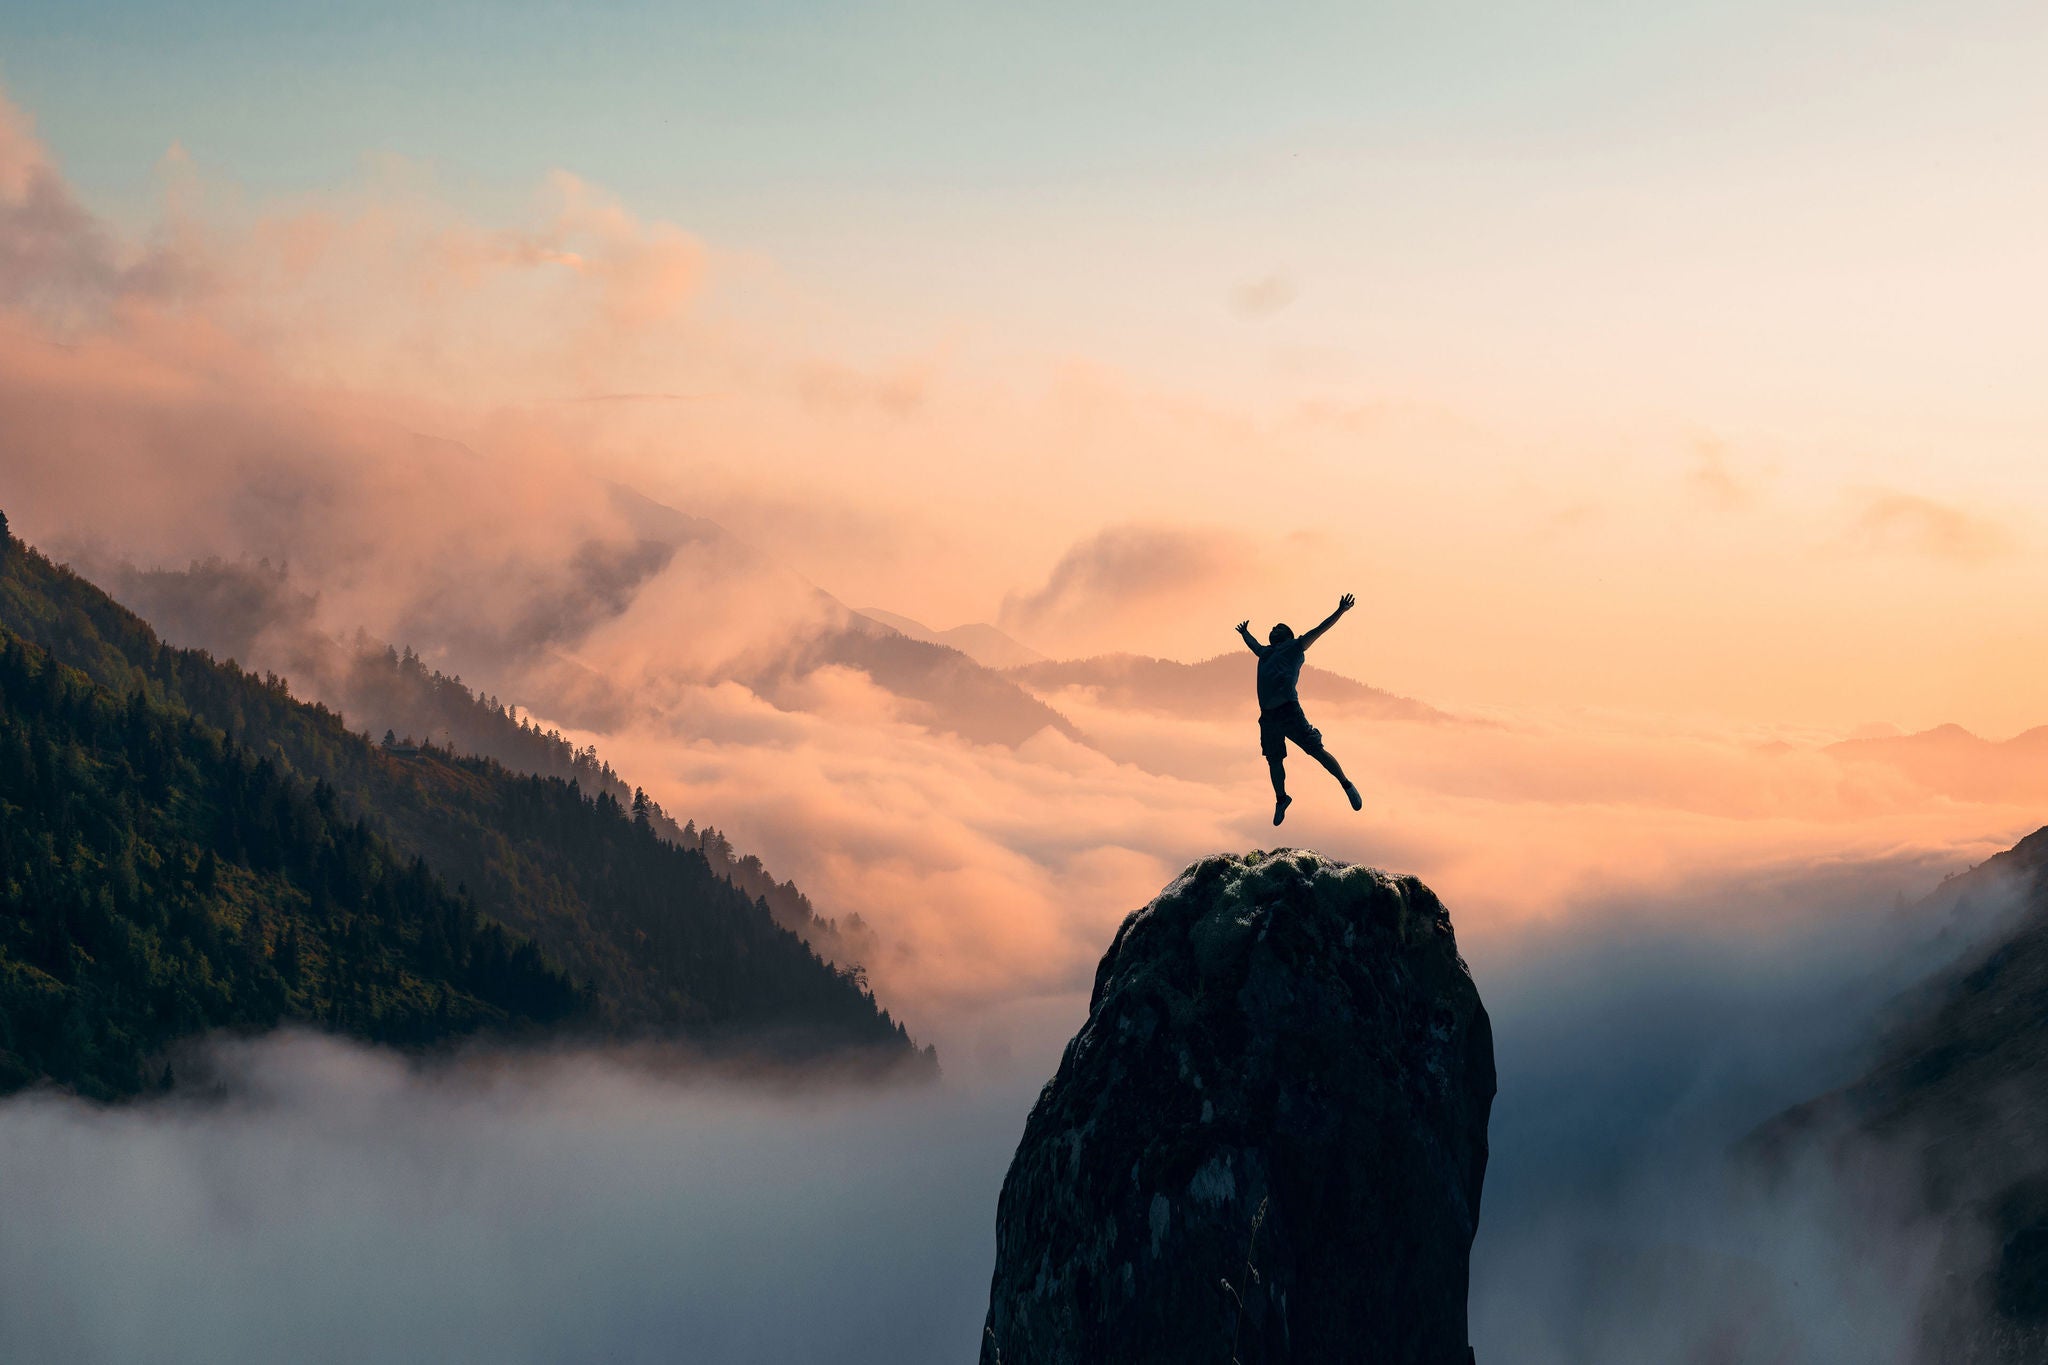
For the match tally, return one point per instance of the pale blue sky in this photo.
(726, 114)
(1450, 189)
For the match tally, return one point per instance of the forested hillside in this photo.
(251, 611)
(394, 690)
(157, 879)
(664, 945)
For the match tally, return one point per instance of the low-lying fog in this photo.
(338, 1206)
(323, 1202)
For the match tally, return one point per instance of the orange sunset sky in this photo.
(1671, 397)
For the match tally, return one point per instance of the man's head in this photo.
(1282, 633)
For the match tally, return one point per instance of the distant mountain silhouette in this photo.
(948, 688)
(1950, 760)
(948, 680)
(1214, 689)
(978, 640)
(950, 692)
(262, 616)
(659, 522)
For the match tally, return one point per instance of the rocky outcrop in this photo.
(1266, 1143)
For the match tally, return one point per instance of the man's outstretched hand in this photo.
(1347, 602)
(1245, 625)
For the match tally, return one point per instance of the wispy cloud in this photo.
(1887, 520)
(56, 262)
(1714, 478)
(1261, 298)
(1123, 571)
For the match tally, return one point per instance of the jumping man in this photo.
(1280, 714)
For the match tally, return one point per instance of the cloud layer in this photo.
(335, 1206)
(538, 1208)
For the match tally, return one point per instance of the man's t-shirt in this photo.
(1280, 674)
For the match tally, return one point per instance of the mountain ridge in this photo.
(1954, 761)
(985, 644)
(1218, 687)
(665, 943)
(1954, 1087)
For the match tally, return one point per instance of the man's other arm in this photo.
(1344, 604)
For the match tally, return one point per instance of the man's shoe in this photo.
(1280, 808)
(1357, 801)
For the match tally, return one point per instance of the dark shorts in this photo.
(1283, 723)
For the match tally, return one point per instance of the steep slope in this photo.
(663, 942)
(1215, 688)
(1960, 1083)
(254, 614)
(950, 689)
(949, 692)
(1267, 1141)
(261, 616)
(158, 880)
(978, 640)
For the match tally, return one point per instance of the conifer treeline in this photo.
(397, 690)
(316, 832)
(158, 880)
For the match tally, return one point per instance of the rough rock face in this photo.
(1280, 1100)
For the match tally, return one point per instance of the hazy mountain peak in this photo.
(978, 640)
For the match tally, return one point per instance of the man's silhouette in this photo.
(1280, 714)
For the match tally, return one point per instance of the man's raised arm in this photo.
(1344, 604)
(1244, 628)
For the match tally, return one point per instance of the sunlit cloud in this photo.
(1125, 572)
(1714, 478)
(1263, 297)
(1888, 520)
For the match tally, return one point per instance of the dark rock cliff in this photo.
(1267, 1141)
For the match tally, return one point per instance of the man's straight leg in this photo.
(1329, 760)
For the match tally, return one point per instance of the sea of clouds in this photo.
(304, 1198)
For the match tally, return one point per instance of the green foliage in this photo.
(400, 691)
(663, 941)
(158, 880)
